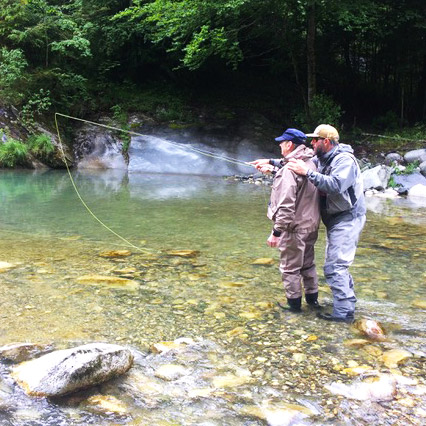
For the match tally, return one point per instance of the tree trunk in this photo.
(312, 82)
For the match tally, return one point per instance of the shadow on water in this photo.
(251, 358)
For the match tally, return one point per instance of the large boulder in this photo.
(422, 168)
(408, 181)
(415, 155)
(418, 190)
(65, 371)
(377, 177)
(393, 157)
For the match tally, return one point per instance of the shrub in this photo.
(322, 110)
(13, 153)
(41, 146)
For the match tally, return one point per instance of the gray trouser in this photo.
(342, 240)
(297, 261)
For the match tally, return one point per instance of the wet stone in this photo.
(109, 282)
(171, 372)
(394, 357)
(419, 304)
(106, 404)
(115, 253)
(19, 352)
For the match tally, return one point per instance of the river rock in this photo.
(183, 253)
(278, 414)
(394, 357)
(115, 253)
(377, 177)
(422, 168)
(170, 372)
(106, 404)
(19, 352)
(371, 329)
(69, 370)
(5, 266)
(393, 157)
(110, 282)
(419, 303)
(376, 388)
(177, 345)
(408, 181)
(415, 155)
(418, 190)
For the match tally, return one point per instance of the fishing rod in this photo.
(189, 147)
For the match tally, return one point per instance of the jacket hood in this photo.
(302, 152)
(342, 147)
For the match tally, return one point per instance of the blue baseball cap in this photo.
(293, 135)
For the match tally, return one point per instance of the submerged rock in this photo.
(371, 328)
(394, 357)
(19, 352)
(418, 303)
(5, 266)
(381, 387)
(115, 253)
(170, 372)
(183, 253)
(65, 371)
(177, 345)
(278, 414)
(107, 281)
(106, 404)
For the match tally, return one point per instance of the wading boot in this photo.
(294, 305)
(348, 319)
(312, 300)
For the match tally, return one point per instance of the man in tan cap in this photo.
(343, 211)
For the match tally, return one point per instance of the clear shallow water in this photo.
(218, 296)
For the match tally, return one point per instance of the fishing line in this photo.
(82, 200)
(200, 151)
(181, 145)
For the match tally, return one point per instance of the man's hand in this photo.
(273, 241)
(263, 166)
(298, 166)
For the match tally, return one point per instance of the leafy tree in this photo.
(12, 66)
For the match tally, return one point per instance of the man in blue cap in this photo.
(294, 209)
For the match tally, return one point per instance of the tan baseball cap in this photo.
(324, 131)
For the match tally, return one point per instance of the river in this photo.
(219, 297)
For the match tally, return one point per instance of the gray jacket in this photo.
(340, 183)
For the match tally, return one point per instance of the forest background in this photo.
(357, 64)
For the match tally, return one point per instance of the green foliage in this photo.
(392, 183)
(409, 169)
(322, 110)
(12, 66)
(388, 121)
(120, 116)
(369, 54)
(41, 146)
(36, 105)
(13, 153)
(192, 29)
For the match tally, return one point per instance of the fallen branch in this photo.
(399, 138)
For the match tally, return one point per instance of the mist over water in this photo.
(158, 155)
